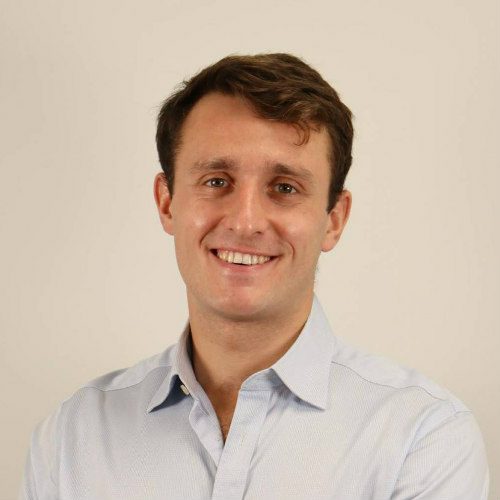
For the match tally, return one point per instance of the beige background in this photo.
(89, 280)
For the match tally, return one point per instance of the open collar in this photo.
(304, 368)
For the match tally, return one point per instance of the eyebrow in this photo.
(224, 163)
(220, 163)
(293, 171)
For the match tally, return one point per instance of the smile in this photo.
(244, 259)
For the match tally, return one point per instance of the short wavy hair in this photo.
(279, 87)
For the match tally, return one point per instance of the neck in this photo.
(226, 352)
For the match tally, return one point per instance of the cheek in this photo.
(304, 234)
(191, 223)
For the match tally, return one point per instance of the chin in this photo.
(240, 307)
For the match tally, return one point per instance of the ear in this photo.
(337, 219)
(163, 202)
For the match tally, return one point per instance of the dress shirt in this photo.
(326, 421)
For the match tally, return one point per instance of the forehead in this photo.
(226, 126)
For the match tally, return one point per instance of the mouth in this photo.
(242, 259)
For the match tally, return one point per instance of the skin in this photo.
(230, 193)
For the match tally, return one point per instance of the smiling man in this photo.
(258, 399)
(249, 218)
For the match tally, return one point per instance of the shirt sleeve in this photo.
(39, 481)
(448, 463)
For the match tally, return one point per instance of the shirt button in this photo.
(184, 390)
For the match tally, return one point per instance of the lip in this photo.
(241, 268)
(242, 250)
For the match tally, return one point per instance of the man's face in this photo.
(245, 191)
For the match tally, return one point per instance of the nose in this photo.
(246, 211)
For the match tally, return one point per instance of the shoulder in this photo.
(118, 388)
(437, 435)
(126, 378)
(87, 411)
(381, 385)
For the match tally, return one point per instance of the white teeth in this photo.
(241, 258)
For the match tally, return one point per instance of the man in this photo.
(258, 400)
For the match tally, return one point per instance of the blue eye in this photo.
(216, 182)
(284, 188)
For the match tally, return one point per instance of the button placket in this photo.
(207, 431)
(246, 426)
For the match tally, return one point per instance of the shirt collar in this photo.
(181, 372)
(304, 368)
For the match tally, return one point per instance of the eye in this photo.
(216, 182)
(284, 188)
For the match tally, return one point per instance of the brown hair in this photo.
(279, 87)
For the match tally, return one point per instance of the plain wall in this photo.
(89, 279)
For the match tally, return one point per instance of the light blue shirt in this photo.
(326, 421)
